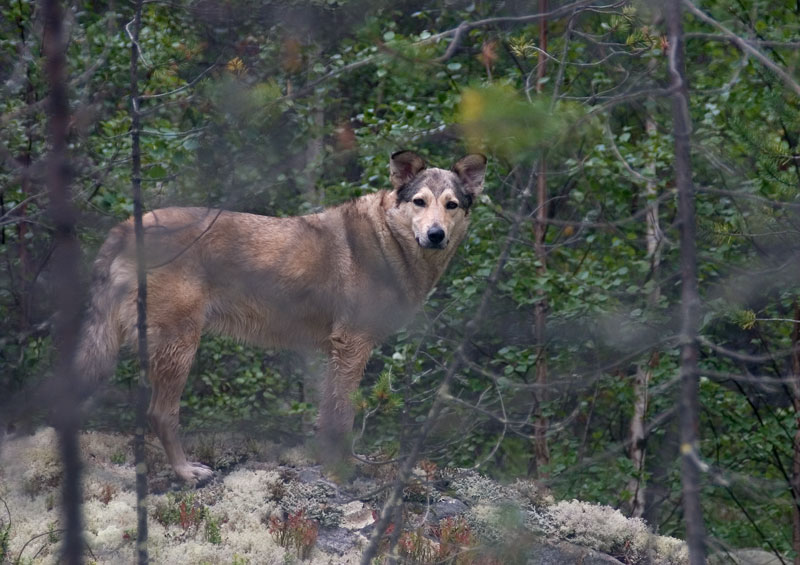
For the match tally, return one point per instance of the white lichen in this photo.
(607, 530)
(472, 487)
(531, 494)
(314, 500)
(241, 502)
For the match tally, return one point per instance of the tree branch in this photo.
(744, 45)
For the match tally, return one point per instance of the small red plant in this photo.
(454, 535)
(415, 547)
(295, 531)
(189, 515)
(457, 545)
(107, 493)
(429, 468)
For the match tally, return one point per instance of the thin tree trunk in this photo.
(636, 486)
(143, 394)
(315, 148)
(66, 259)
(644, 372)
(795, 485)
(690, 297)
(25, 268)
(541, 452)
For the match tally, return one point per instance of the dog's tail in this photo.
(102, 330)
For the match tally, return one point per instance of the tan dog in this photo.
(338, 281)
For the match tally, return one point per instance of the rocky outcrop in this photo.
(268, 505)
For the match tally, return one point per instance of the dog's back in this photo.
(279, 282)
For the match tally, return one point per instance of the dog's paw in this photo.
(194, 473)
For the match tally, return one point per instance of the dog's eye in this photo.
(452, 205)
(419, 202)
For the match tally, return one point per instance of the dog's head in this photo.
(436, 201)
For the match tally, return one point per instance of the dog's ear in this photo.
(404, 166)
(471, 170)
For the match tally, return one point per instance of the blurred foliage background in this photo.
(285, 107)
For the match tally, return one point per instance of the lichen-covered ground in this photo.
(268, 506)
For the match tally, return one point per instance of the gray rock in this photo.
(562, 553)
(447, 508)
(336, 540)
(747, 557)
(309, 474)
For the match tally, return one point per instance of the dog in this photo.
(338, 281)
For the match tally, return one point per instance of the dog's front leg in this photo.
(349, 353)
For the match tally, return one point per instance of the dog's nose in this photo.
(436, 235)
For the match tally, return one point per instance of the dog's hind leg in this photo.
(349, 354)
(175, 319)
(169, 368)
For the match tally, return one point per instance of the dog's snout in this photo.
(436, 235)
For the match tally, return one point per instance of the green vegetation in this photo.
(185, 510)
(283, 107)
(5, 532)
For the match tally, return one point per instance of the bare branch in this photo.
(731, 81)
(745, 357)
(728, 39)
(615, 150)
(559, 12)
(10, 213)
(748, 196)
(744, 45)
(180, 88)
(135, 41)
(763, 381)
(347, 68)
(451, 49)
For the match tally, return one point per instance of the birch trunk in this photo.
(644, 372)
